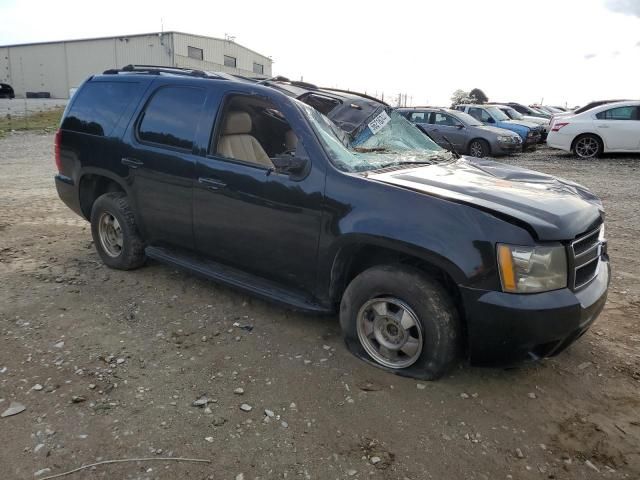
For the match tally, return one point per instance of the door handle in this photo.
(212, 183)
(603, 126)
(131, 162)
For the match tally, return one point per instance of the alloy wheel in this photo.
(476, 150)
(587, 147)
(390, 332)
(110, 233)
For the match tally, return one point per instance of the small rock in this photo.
(519, 453)
(240, 476)
(92, 386)
(239, 391)
(44, 471)
(421, 386)
(591, 466)
(269, 413)
(351, 472)
(246, 407)
(532, 395)
(120, 361)
(464, 395)
(59, 345)
(38, 447)
(201, 402)
(14, 409)
(37, 387)
(78, 399)
(326, 347)
(209, 439)
(584, 365)
(375, 460)
(284, 424)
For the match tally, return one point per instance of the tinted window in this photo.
(258, 68)
(170, 118)
(419, 117)
(445, 120)
(229, 61)
(98, 106)
(620, 113)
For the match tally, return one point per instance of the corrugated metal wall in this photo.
(57, 67)
(214, 50)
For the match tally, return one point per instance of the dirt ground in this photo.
(109, 363)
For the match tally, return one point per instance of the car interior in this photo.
(253, 131)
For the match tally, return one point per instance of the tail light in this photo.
(56, 149)
(558, 125)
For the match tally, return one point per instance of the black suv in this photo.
(426, 256)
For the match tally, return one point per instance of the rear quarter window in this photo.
(98, 106)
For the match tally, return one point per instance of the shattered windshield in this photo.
(389, 139)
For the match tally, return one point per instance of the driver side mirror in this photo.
(296, 166)
(459, 126)
(490, 120)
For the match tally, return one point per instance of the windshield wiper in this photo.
(453, 149)
(393, 164)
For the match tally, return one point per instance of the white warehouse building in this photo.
(55, 68)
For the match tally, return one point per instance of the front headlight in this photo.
(505, 139)
(532, 269)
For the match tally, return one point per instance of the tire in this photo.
(427, 310)
(119, 245)
(587, 146)
(479, 148)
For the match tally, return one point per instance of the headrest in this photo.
(237, 123)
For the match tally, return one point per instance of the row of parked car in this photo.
(504, 128)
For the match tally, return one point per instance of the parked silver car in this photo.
(467, 135)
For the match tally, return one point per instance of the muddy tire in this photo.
(399, 319)
(114, 232)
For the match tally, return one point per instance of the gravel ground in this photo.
(109, 363)
(19, 107)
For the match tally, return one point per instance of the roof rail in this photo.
(364, 95)
(158, 69)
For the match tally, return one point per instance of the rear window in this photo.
(171, 117)
(98, 106)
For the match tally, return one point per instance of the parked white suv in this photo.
(613, 127)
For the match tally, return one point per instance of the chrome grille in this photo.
(586, 251)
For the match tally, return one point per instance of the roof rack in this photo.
(158, 69)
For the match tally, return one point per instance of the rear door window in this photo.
(445, 120)
(419, 117)
(98, 106)
(171, 116)
(620, 113)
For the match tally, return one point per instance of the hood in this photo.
(553, 208)
(497, 130)
(522, 123)
(536, 120)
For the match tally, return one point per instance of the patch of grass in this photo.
(46, 121)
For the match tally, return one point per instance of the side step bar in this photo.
(235, 278)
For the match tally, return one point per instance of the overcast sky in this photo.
(565, 51)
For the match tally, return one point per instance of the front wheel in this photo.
(587, 146)
(478, 148)
(401, 320)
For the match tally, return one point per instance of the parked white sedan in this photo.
(614, 127)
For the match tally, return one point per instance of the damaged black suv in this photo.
(331, 201)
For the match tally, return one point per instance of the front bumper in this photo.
(506, 328)
(504, 148)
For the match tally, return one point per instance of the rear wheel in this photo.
(401, 320)
(114, 232)
(479, 148)
(587, 146)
